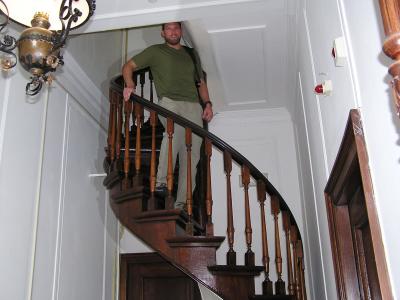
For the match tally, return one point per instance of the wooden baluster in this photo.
(138, 148)
(151, 86)
(209, 225)
(153, 123)
(231, 254)
(249, 256)
(293, 240)
(170, 172)
(128, 111)
(113, 121)
(279, 284)
(110, 122)
(189, 201)
(286, 228)
(119, 126)
(300, 258)
(390, 13)
(135, 79)
(267, 283)
(142, 82)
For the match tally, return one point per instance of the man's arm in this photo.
(127, 70)
(205, 97)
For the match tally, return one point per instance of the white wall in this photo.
(58, 235)
(320, 121)
(105, 61)
(266, 139)
(382, 127)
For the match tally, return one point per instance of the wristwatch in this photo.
(207, 102)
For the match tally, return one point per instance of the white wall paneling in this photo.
(125, 14)
(19, 168)
(249, 75)
(381, 126)
(58, 235)
(357, 84)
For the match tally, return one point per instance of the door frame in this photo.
(353, 151)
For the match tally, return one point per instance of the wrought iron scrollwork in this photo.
(46, 43)
(8, 42)
(69, 15)
(35, 85)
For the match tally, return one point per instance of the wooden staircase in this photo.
(186, 238)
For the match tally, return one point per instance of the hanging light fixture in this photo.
(39, 45)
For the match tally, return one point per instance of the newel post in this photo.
(390, 12)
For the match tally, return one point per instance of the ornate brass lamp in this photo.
(39, 45)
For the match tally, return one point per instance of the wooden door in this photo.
(357, 248)
(147, 276)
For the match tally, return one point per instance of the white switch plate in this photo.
(339, 46)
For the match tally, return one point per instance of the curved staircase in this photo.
(186, 238)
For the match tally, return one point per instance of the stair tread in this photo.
(161, 215)
(155, 214)
(273, 297)
(128, 194)
(236, 270)
(196, 241)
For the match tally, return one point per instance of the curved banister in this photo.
(132, 176)
(117, 85)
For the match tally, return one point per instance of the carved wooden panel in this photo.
(147, 276)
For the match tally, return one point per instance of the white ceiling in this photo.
(247, 46)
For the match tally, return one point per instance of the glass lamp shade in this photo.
(22, 11)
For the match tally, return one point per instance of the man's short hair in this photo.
(163, 25)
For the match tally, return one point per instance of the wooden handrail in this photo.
(117, 85)
(139, 182)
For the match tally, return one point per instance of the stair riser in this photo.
(196, 260)
(243, 286)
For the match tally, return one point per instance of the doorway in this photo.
(357, 248)
(147, 276)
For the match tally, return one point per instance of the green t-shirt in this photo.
(173, 71)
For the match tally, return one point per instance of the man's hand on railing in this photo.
(128, 91)
(208, 113)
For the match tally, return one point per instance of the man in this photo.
(175, 71)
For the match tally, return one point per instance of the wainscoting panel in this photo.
(81, 241)
(20, 139)
(77, 234)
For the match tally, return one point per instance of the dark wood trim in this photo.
(117, 84)
(144, 259)
(346, 162)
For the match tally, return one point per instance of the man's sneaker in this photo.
(180, 205)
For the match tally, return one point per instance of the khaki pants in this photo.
(193, 112)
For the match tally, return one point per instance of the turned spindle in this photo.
(249, 255)
(189, 200)
(128, 111)
(208, 152)
(170, 172)
(231, 254)
(267, 283)
(153, 123)
(279, 284)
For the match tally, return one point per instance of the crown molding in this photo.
(150, 16)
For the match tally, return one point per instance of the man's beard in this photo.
(174, 41)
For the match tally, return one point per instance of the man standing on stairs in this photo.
(176, 70)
